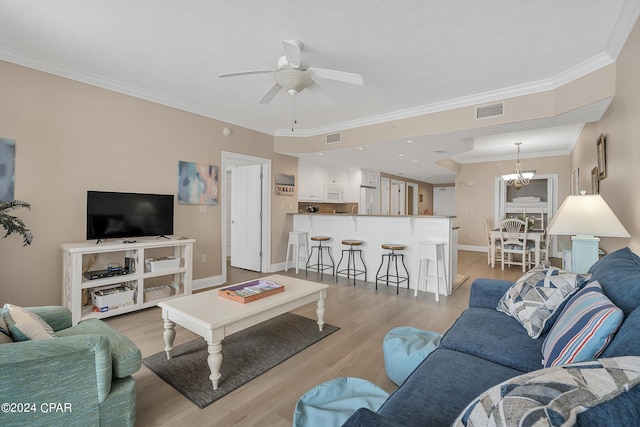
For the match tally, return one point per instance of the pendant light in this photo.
(519, 177)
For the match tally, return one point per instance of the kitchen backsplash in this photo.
(344, 208)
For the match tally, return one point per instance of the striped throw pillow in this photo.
(583, 329)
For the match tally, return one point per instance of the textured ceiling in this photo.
(412, 54)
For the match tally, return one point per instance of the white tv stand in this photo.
(74, 282)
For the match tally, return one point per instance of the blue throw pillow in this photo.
(583, 329)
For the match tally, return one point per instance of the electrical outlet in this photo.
(203, 258)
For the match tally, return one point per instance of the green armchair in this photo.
(83, 377)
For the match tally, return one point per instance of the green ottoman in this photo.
(404, 348)
(333, 402)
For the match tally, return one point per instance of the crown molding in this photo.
(81, 76)
(589, 66)
(593, 64)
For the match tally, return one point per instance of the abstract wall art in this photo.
(197, 184)
(7, 169)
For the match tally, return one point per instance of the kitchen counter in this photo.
(372, 215)
(376, 230)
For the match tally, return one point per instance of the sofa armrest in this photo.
(68, 369)
(56, 316)
(486, 293)
(364, 417)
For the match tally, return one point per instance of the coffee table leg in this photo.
(320, 313)
(169, 335)
(215, 361)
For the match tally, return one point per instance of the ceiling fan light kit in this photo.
(294, 75)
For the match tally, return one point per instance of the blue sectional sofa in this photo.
(486, 347)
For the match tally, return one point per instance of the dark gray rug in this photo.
(245, 355)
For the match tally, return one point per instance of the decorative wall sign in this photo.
(285, 184)
(7, 170)
(602, 156)
(197, 184)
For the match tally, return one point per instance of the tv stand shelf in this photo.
(74, 282)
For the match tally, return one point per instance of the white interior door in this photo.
(397, 197)
(384, 195)
(246, 217)
(444, 201)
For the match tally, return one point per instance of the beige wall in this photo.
(621, 126)
(475, 192)
(72, 137)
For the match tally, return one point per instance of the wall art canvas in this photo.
(197, 184)
(285, 184)
(7, 169)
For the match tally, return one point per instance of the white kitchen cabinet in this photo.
(310, 182)
(369, 179)
(335, 176)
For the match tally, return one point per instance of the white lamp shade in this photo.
(587, 215)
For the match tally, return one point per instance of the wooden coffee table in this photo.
(213, 317)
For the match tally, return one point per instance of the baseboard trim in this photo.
(207, 282)
(473, 248)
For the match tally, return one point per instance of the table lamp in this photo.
(584, 217)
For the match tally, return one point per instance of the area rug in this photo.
(245, 355)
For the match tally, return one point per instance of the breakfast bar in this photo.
(376, 230)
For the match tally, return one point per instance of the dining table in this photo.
(535, 236)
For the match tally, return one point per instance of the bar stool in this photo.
(351, 269)
(297, 239)
(432, 251)
(393, 257)
(320, 266)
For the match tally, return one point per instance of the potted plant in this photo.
(13, 224)
(526, 219)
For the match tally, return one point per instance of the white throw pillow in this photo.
(25, 325)
(536, 296)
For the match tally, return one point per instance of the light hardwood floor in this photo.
(363, 315)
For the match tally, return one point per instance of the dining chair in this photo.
(488, 226)
(513, 238)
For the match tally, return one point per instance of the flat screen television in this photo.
(112, 215)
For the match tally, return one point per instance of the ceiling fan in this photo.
(294, 75)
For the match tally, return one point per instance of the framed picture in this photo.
(285, 184)
(595, 181)
(197, 184)
(602, 156)
(575, 181)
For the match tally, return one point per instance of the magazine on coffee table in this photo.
(251, 291)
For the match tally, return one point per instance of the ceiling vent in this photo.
(492, 110)
(334, 138)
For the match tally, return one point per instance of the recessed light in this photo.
(409, 141)
(320, 154)
(400, 155)
(415, 160)
(360, 148)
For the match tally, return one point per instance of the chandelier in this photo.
(519, 177)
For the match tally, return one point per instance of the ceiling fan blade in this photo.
(292, 49)
(320, 94)
(270, 94)
(340, 76)
(244, 73)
